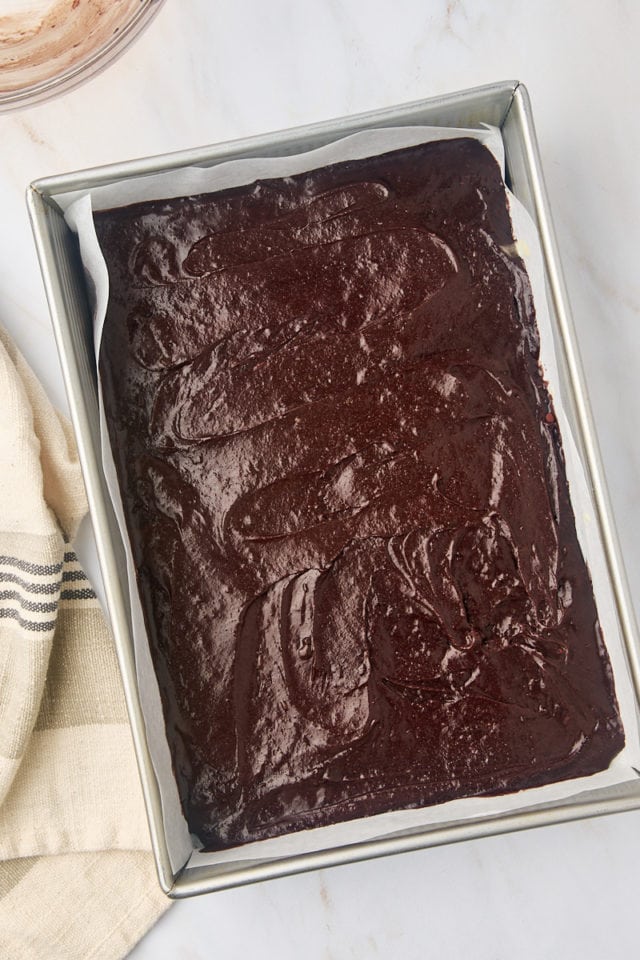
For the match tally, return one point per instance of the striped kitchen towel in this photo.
(76, 877)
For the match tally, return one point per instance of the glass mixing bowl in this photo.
(49, 46)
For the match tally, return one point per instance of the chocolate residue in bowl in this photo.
(44, 39)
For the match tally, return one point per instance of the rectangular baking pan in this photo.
(505, 105)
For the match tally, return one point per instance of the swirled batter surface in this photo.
(346, 496)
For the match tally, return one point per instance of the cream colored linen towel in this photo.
(76, 878)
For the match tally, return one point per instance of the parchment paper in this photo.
(195, 180)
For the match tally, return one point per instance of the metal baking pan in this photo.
(505, 105)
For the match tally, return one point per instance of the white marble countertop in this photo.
(208, 71)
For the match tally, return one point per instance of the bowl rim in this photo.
(87, 68)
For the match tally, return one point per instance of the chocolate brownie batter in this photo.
(346, 496)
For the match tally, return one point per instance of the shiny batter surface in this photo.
(346, 497)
